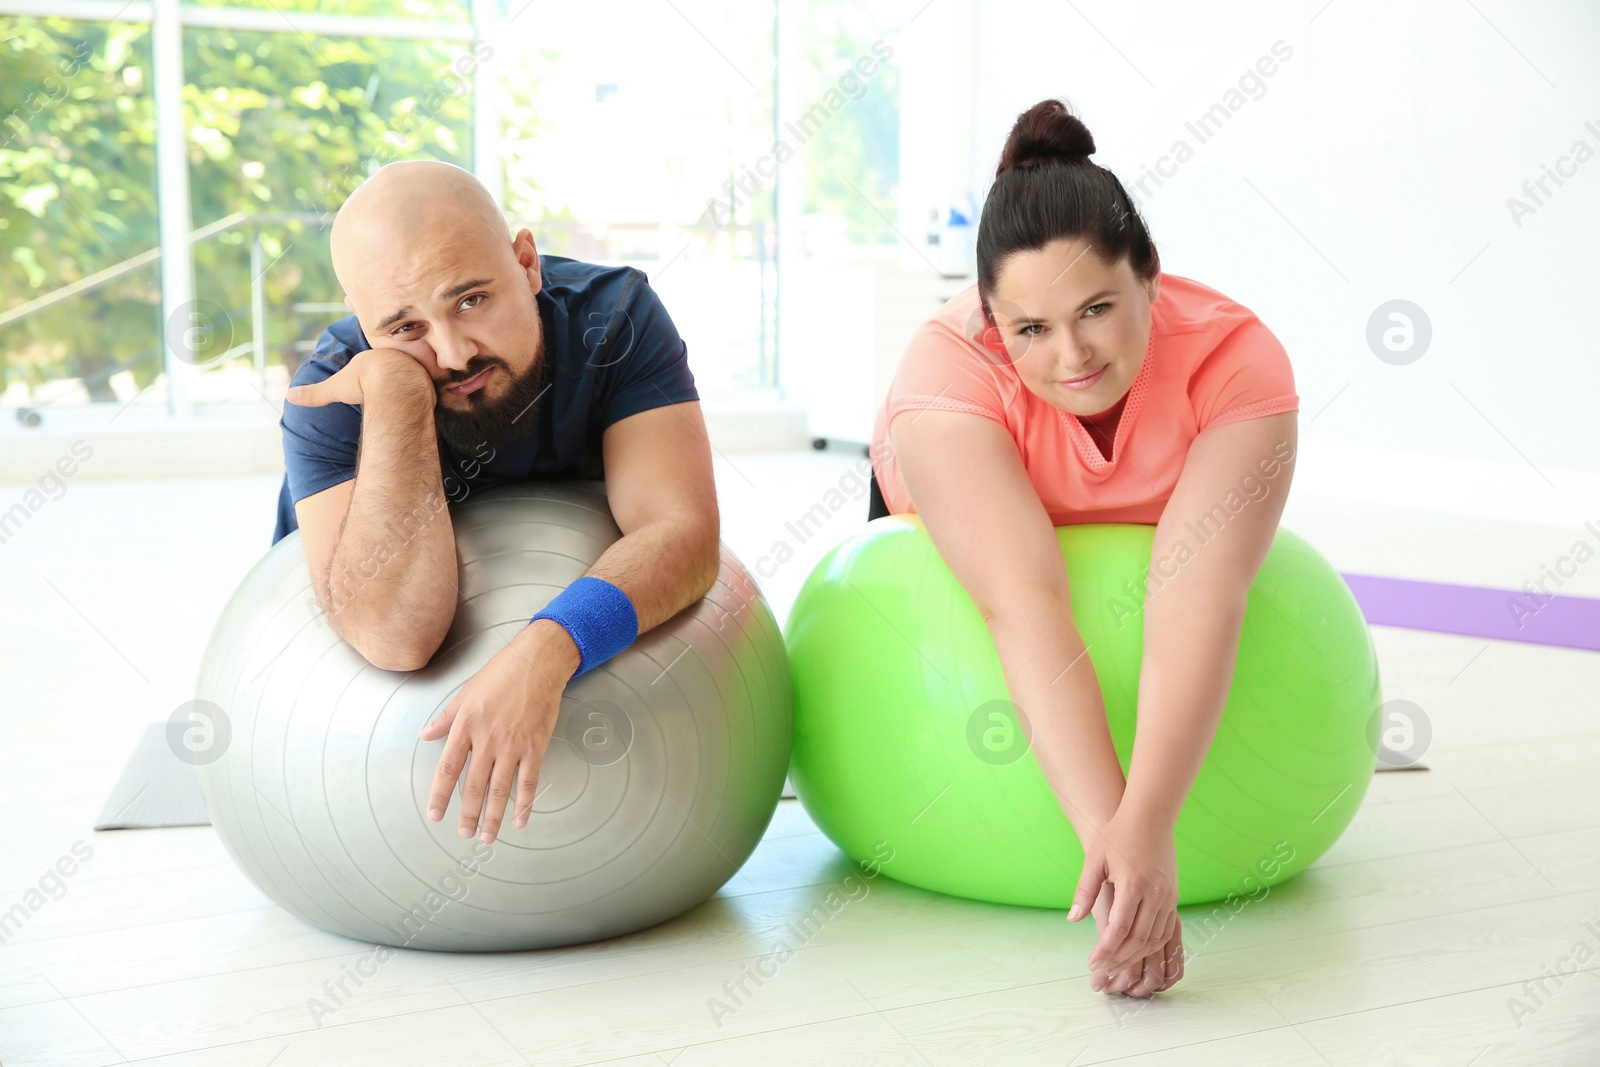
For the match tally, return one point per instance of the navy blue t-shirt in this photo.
(611, 351)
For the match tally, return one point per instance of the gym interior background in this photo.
(1407, 195)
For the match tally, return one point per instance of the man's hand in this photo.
(504, 717)
(347, 384)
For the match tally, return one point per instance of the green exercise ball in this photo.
(905, 739)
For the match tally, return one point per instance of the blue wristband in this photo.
(598, 615)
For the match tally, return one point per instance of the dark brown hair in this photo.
(1045, 189)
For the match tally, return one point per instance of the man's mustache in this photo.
(473, 370)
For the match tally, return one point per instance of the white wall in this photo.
(1375, 163)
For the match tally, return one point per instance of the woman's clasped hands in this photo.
(1130, 885)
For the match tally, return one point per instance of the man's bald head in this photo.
(409, 207)
(430, 269)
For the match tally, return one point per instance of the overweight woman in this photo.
(1075, 382)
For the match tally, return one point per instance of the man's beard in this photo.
(495, 423)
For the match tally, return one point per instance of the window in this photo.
(287, 10)
(642, 147)
(282, 127)
(637, 134)
(284, 111)
(77, 198)
(849, 92)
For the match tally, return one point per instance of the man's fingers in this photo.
(307, 396)
(441, 725)
(473, 787)
(501, 781)
(342, 386)
(527, 790)
(444, 778)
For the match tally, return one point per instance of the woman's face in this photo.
(1074, 326)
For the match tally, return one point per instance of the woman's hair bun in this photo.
(1046, 131)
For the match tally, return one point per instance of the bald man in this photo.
(471, 361)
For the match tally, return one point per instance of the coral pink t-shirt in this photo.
(1210, 361)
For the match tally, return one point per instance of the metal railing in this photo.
(256, 345)
(133, 263)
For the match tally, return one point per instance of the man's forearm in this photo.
(663, 566)
(392, 577)
(1052, 681)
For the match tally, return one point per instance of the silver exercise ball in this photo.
(664, 770)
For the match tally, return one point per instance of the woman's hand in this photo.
(1139, 860)
(1161, 969)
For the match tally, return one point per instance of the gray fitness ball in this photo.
(663, 772)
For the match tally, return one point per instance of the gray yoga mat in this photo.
(156, 789)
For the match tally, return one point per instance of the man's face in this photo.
(461, 301)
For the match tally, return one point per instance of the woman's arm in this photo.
(1213, 535)
(987, 523)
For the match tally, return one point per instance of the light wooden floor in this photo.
(1404, 945)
